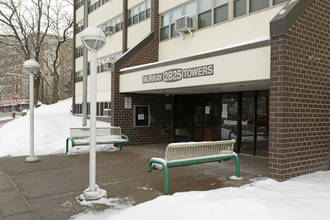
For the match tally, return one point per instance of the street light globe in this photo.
(31, 66)
(93, 38)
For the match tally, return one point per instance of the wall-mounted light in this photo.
(314, 58)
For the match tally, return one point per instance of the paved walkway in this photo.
(48, 189)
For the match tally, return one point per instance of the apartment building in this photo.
(200, 70)
(14, 85)
(14, 82)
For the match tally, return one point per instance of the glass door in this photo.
(247, 123)
(205, 118)
(212, 119)
(229, 116)
(182, 119)
(198, 118)
(262, 128)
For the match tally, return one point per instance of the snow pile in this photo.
(115, 206)
(51, 128)
(304, 198)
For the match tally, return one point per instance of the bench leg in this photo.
(165, 180)
(126, 137)
(165, 167)
(237, 167)
(67, 144)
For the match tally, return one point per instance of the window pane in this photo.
(190, 8)
(142, 7)
(239, 8)
(221, 13)
(164, 33)
(135, 10)
(148, 13)
(148, 4)
(142, 11)
(165, 20)
(173, 32)
(101, 108)
(279, 1)
(204, 5)
(175, 14)
(220, 2)
(142, 16)
(135, 19)
(204, 19)
(256, 5)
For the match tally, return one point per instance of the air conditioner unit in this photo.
(108, 30)
(185, 24)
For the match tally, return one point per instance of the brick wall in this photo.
(161, 129)
(299, 99)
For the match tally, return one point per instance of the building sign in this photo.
(174, 75)
(128, 102)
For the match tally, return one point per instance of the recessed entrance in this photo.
(242, 116)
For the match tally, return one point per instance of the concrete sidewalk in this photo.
(49, 189)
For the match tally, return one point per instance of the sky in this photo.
(303, 198)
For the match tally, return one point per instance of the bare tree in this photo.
(61, 31)
(29, 23)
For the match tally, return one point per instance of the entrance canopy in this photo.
(240, 67)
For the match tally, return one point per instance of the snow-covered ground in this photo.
(303, 198)
(51, 128)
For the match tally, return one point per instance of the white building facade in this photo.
(202, 70)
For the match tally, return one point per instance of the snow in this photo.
(305, 197)
(51, 128)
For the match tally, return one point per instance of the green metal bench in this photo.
(104, 135)
(189, 153)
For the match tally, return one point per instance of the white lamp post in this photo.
(93, 39)
(32, 67)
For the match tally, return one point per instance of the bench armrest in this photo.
(126, 137)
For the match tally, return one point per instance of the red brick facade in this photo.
(299, 95)
(160, 129)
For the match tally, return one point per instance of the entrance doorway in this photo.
(242, 116)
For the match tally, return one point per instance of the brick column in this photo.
(299, 108)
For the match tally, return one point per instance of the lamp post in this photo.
(93, 39)
(32, 67)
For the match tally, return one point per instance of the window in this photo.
(79, 51)
(190, 8)
(129, 19)
(220, 10)
(119, 22)
(79, 76)
(142, 9)
(164, 26)
(279, 1)
(256, 5)
(139, 13)
(204, 13)
(148, 8)
(136, 15)
(79, 3)
(176, 13)
(239, 8)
